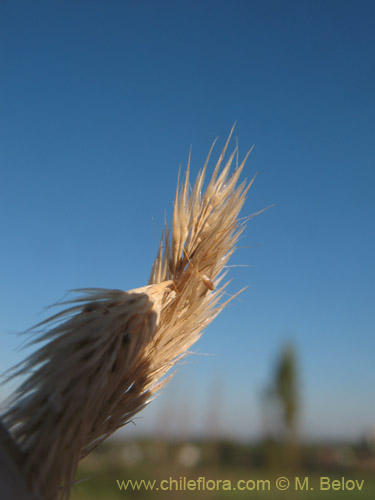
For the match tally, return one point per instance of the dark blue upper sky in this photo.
(100, 102)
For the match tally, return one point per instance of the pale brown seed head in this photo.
(107, 354)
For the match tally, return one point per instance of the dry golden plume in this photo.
(105, 356)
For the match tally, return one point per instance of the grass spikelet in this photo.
(105, 356)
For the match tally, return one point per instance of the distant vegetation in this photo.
(157, 460)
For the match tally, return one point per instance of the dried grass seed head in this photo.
(108, 353)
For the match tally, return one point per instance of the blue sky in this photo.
(100, 102)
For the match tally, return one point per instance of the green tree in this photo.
(281, 408)
(286, 390)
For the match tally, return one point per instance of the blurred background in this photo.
(100, 104)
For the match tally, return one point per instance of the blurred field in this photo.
(157, 461)
(220, 469)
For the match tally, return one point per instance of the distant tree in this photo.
(280, 402)
(286, 390)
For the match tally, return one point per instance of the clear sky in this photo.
(100, 102)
